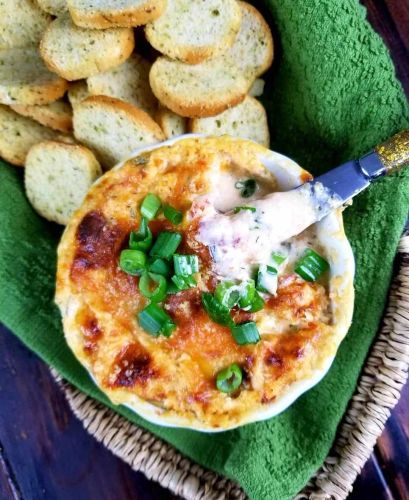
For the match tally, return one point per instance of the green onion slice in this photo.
(184, 282)
(228, 293)
(168, 329)
(218, 312)
(173, 215)
(153, 319)
(150, 206)
(141, 239)
(156, 293)
(132, 262)
(311, 265)
(239, 209)
(247, 293)
(267, 279)
(229, 379)
(160, 266)
(245, 333)
(247, 187)
(165, 245)
(278, 258)
(257, 304)
(185, 265)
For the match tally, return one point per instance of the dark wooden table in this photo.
(46, 454)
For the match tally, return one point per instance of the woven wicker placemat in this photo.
(377, 392)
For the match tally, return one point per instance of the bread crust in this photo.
(208, 104)
(57, 115)
(250, 114)
(18, 134)
(57, 205)
(191, 54)
(105, 56)
(127, 18)
(109, 155)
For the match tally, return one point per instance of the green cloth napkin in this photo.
(331, 96)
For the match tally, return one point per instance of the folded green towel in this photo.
(332, 96)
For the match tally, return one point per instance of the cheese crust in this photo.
(171, 381)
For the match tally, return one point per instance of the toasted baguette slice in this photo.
(76, 53)
(257, 88)
(18, 134)
(57, 177)
(102, 14)
(253, 48)
(54, 7)
(113, 128)
(128, 82)
(195, 31)
(22, 23)
(203, 89)
(56, 115)
(24, 78)
(248, 120)
(77, 92)
(171, 124)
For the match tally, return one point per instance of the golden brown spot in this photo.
(98, 243)
(133, 365)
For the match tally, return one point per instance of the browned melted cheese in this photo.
(178, 374)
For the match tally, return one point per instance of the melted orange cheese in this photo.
(178, 374)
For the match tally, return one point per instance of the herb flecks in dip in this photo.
(182, 334)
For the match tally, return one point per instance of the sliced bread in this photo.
(198, 90)
(195, 31)
(247, 120)
(253, 48)
(54, 7)
(57, 177)
(113, 128)
(257, 88)
(77, 92)
(75, 53)
(24, 78)
(102, 14)
(56, 115)
(128, 82)
(22, 23)
(18, 134)
(171, 124)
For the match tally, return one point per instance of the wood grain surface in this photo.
(46, 454)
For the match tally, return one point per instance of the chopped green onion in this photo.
(246, 333)
(150, 206)
(278, 258)
(132, 262)
(173, 215)
(172, 288)
(227, 293)
(153, 319)
(141, 239)
(218, 312)
(168, 329)
(257, 304)
(311, 265)
(184, 282)
(248, 291)
(247, 187)
(156, 294)
(229, 379)
(238, 209)
(185, 265)
(267, 279)
(166, 245)
(160, 266)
